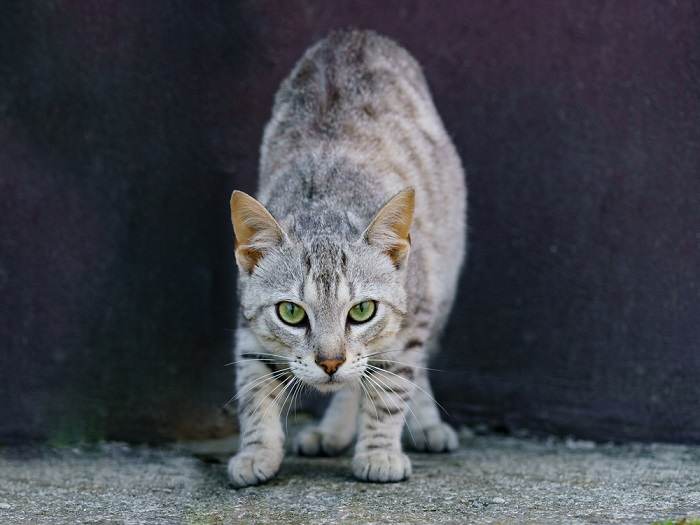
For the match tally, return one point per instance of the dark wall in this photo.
(124, 126)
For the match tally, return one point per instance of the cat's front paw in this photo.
(312, 441)
(436, 438)
(252, 466)
(382, 466)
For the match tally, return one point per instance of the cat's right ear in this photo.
(255, 228)
(390, 228)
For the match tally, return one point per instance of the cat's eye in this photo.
(291, 313)
(362, 312)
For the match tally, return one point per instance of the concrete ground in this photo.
(491, 479)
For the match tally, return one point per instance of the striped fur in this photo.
(352, 126)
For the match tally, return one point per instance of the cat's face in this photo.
(323, 306)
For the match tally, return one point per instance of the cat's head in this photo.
(318, 303)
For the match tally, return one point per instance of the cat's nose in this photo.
(330, 365)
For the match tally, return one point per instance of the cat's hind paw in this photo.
(383, 466)
(253, 466)
(435, 438)
(312, 441)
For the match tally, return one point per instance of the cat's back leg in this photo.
(426, 430)
(336, 430)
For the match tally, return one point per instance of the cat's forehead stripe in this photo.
(326, 273)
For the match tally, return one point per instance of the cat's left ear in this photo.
(255, 228)
(390, 228)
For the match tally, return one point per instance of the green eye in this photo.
(291, 313)
(362, 312)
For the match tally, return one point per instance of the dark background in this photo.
(124, 126)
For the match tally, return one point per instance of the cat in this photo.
(348, 261)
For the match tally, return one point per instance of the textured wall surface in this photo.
(124, 126)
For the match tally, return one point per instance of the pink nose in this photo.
(330, 365)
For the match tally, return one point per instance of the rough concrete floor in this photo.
(491, 479)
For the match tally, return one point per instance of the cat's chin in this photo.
(330, 386)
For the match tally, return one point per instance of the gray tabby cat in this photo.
(354, 157)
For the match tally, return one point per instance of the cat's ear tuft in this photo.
(390, 228)
(255, 228)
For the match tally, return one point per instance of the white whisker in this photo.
(258, 380)
(412, 383)
(407, 405)
(264, 360)
(273, 400)
(287, 384)
(411, 365)
(381, 353)
(369, 397)
(292, 401)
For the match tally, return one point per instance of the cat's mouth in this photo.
(330, 385)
